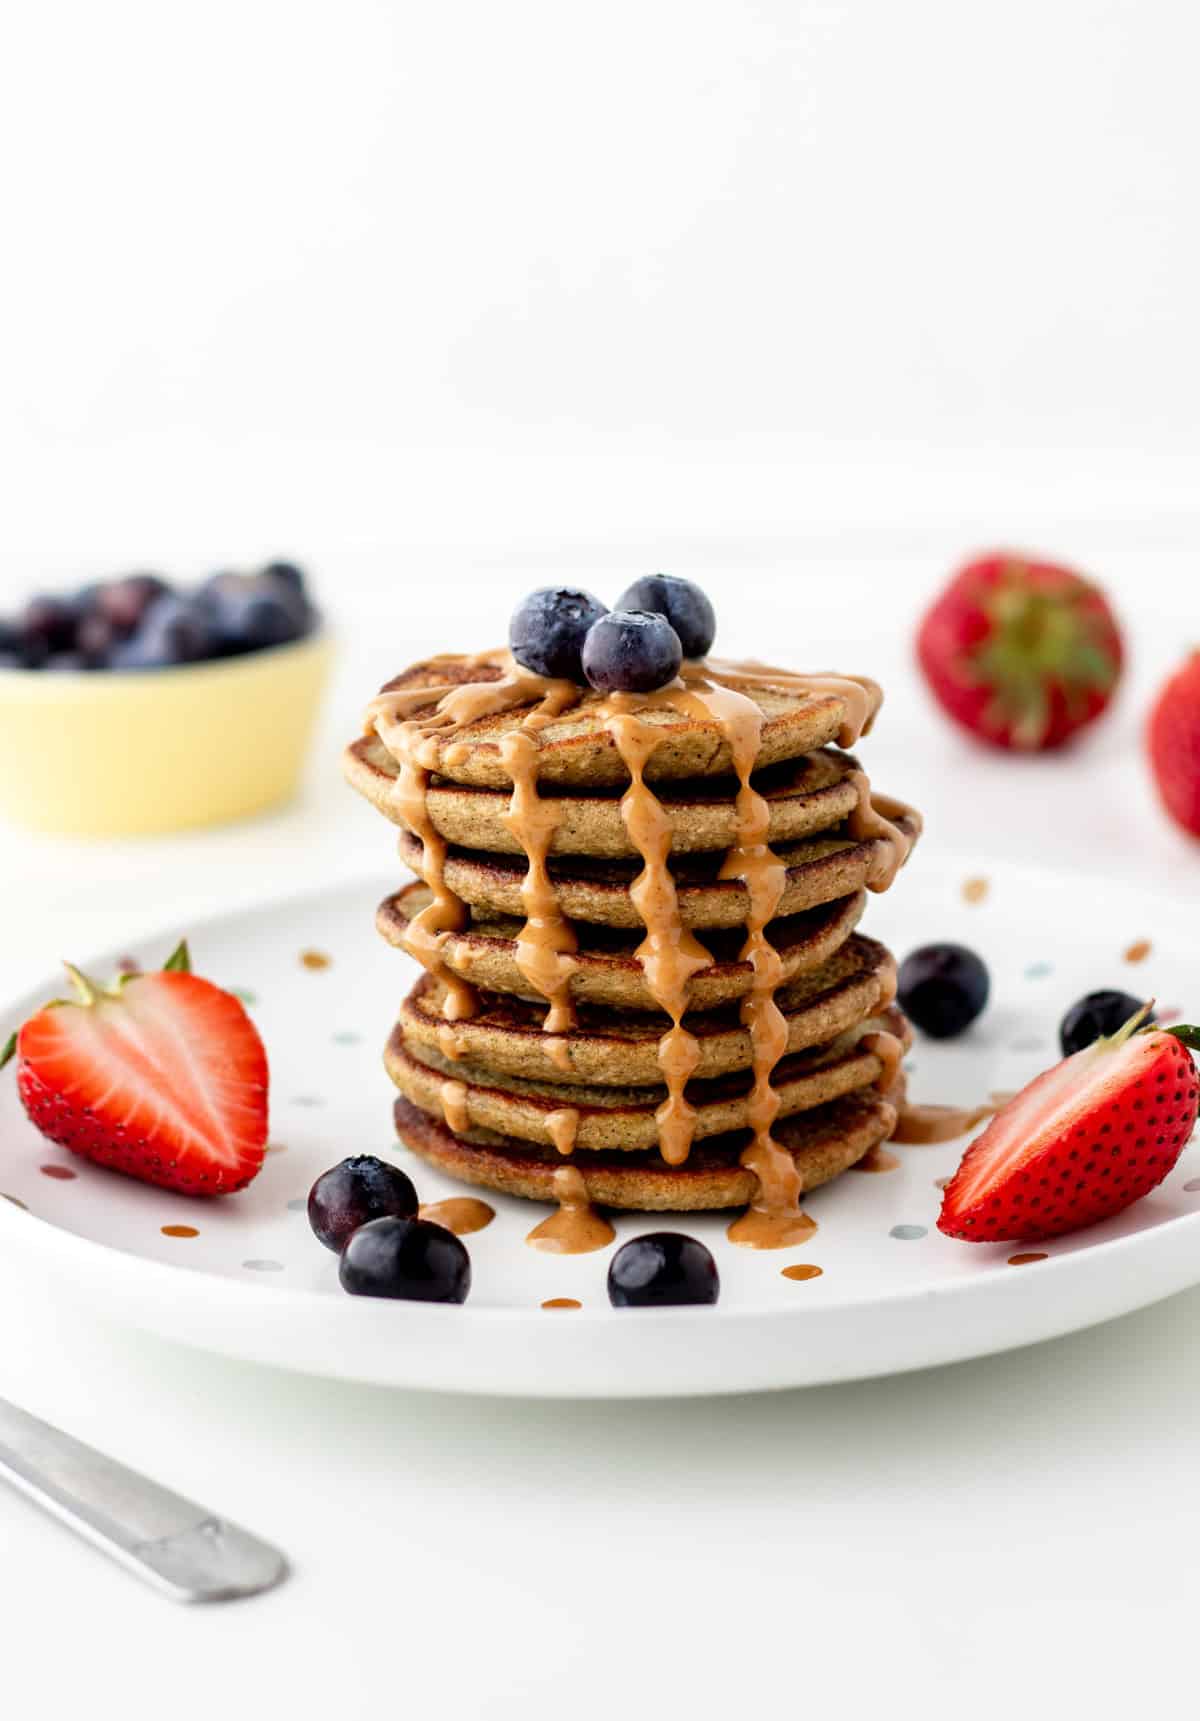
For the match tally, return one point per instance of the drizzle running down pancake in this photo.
(636, 914)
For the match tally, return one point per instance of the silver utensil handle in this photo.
(178, 1547)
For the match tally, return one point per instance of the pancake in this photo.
(819, 869)
(823, 1143)
(577, 749)
(623, 1119)
(809, 793)
(607, 970)
(621, 1047)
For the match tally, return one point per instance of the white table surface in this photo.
(998, 1534)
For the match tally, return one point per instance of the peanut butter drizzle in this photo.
(924, 1125)
(669, 954)
(877, 1159)
(427, 932)
(546, 944)
(412, 743)
(576, 1228)
(888, 1049)
(461, 1214)
(449, 1043)
(558, 1051)
(873, 820)
(454, 1106)
(562, 1127)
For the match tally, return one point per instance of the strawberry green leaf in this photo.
(10, 1046)
(180, 959)
(1188, 1034)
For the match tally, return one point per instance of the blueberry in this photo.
(95, 640)
(684, 605)
(248, 612)
(660, 1269)
(355, 1191)
(548, 628)
(288, 573)
(409, 1258)
(124, 603)
(1095, 1014)
(631, 651)
(942, 988)
(47, 625)
(173, 631)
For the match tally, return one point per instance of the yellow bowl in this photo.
(119, 753)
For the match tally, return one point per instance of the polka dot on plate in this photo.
(975, 889)
(61, 1173)
(802, 1270)
(1039, 970)
(1025, 1260)
(180, 1231)
(315, 960)
(561, 1303)
(298, 1204)
(1138, 950)
(263, 1266)
(1192, 1185)
(908, 1233)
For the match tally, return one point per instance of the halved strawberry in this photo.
(1084, 1140)
(162, 1076)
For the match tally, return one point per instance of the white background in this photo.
(805, 300)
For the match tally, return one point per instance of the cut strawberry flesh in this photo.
(1096, 1132)
(171, 1067)
(1038, 1117)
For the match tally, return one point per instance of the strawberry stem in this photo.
(10, 1046)
(180, 959)
(87, 992)
(1188, 1034)
(1110, 1042)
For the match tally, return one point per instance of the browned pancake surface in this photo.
(607, 970)
(577, 748)
(623, 1119)
(819, 869)
(823, 1144)
(812, 792)
(621, 1046)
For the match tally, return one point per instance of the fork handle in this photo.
(181, 1549)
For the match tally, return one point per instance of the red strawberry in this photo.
(1174, 739)
(1021, 653)
(1092, 1135)
(163, 1076)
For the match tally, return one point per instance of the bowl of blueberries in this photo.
(135, 705)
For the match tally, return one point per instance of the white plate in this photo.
(893, 1293)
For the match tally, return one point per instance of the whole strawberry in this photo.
(162, 1076)
(1174, 741)
(1021, 653)
(1083, 1141)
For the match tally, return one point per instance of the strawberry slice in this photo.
(1083, 1141)
(162, 1076)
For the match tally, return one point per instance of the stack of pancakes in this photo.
(535, 1038)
